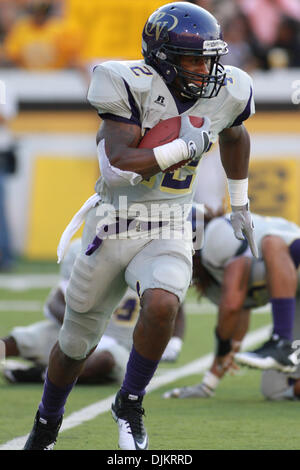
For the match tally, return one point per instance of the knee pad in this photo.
(274, 384)
(73, 346)
(80, 334)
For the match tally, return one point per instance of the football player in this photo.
(128, 239)
(228, 274)
(107, 363)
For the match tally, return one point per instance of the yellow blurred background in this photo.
(49, 68)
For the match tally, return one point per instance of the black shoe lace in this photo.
(45, 436)
(47, 439)
(133, 413)
(266, 345)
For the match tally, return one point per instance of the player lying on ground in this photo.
(179, 76)
(108, 361)
(226, 272)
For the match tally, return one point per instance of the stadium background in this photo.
(55, 128)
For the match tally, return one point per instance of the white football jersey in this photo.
(135, 92)
(221, 247)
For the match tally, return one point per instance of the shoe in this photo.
(43, 435)
(128, 413)
(194, 391)
(277, 353)
(30, 375)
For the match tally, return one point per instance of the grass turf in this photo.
(237, 418)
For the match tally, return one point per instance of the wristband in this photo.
(169, 154)
(238, 191)
(210, 380)
(223, 346)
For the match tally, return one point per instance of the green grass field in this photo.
(237, 418)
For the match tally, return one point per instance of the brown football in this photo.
(166, 131)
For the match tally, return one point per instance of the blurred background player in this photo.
(108, 361)
(42, 40)
(226, 272)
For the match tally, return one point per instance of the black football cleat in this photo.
(35, 374)
(43, 435)
(128, 413)
(277, 353)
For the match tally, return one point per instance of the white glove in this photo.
(196, 138)
(243, 226)
(172, 350)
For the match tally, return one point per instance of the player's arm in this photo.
(234, 291)
(121, 142)
(233, 295)
(174, 346)
(234, 145)
(121, 161)
(221, 365)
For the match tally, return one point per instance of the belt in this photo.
(121, 226)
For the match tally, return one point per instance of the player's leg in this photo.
(106, 364)
(95, 288)
(78, 337)
(277, 352)
(162, 278)
(33, 342)
(97, 369)
(282, 284)
(11, 347)
(174, 346)
(158, 312)
(277, 385)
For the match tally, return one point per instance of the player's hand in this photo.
(196, 139)
(243, 226)
(225, 364)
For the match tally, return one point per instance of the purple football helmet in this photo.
(178, 29)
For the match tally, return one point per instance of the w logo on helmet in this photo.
(158, 23)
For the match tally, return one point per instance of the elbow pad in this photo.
(114, 176)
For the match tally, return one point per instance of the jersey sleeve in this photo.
(110, 94)
(240, 86)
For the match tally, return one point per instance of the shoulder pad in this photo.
(117, 87)
(136, 73)
(238, 83)
(239, 87)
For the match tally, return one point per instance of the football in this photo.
(166, 131)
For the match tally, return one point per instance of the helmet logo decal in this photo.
(215, 46)
(157, 25)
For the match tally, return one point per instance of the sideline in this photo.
(195, 367)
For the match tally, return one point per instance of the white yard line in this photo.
(24, 282)
(21, 306)
(19, 282)
(192, 308)
(90, 412)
